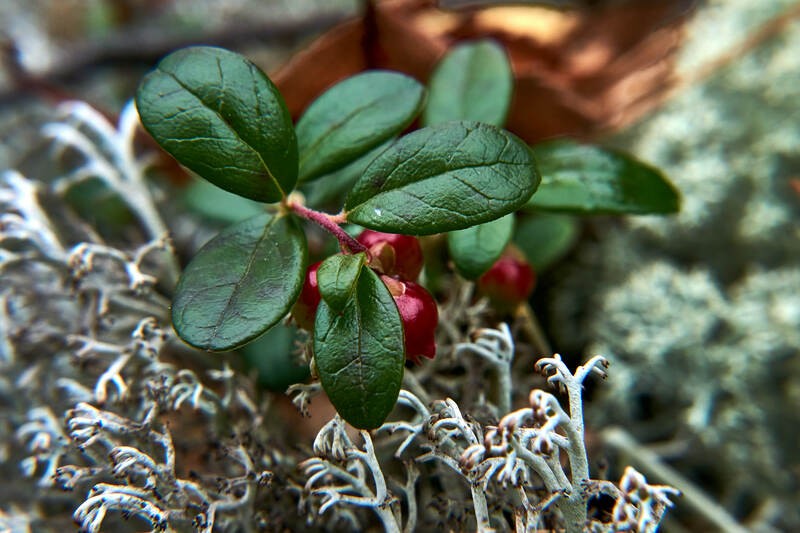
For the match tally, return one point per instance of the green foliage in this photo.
(545, 238)
(353, 117)
(241, 283)
(472, 82)
(588, 179)
(359, 352)
(219, 115)
(333, 187)
(337, 277)
(443, 178)
(474, 250)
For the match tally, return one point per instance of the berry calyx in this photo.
(419, 315)
(509, 282)
(305, 309)
(393, 254)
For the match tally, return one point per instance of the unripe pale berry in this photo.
(393, 254)
(509, 282)
(305, 309)
(419, 315)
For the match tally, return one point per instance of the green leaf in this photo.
(359, 353)
(217, 204)
(337, 277)
(333, 187)
(474, 250)
(220, 116)
(545, 238)
(473, 82)
(588, 179)
(353, 117)
(444, 178)
(272, 355)
(241, 283)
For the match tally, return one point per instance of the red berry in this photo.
(305, 309)
(393, 254)
(419, 316)
(509, 282)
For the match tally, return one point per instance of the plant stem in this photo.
(481, 508)
(533, 330)
(329, 224)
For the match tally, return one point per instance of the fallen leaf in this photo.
(577, 72)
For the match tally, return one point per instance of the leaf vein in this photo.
(231, 129)
(237, 284)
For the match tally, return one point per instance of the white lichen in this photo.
(522, 453)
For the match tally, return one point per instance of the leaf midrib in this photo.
(404, 181)
(237, 285)
(360, 356)
(266, 168)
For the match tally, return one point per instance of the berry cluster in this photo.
(398, 260)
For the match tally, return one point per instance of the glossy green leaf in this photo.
(333, 187)
(220, 116)
(444, 178)
(337, 277)
(241, 283)
(474, 250)
(353, 117)
(545, 238)
(473, 82)
(274, 358)
(359, 353)
(589, 179)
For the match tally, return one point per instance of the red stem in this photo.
(326, 221)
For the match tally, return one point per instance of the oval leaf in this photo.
(353, 117)
(241, 283)
(359, 353)
(337, 277)
(220, 116)
(444, 178)
(589, 179)
(332, 188)
(473, 82)
(545, 238)
(474, 250)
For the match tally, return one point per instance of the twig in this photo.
(329, 223)
(497, 347)
(533, 330)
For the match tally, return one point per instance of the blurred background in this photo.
(698, 312)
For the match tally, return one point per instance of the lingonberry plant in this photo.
(461, 174)
(474, 82)
(220, 116)
(419, 315)
(398, 255)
